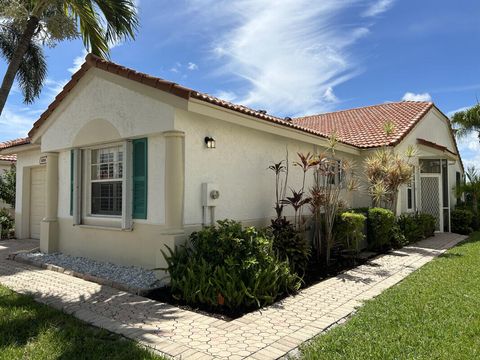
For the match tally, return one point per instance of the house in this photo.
(6, 162)
(123, 163)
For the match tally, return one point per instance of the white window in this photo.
(106, 181)
(411, 200)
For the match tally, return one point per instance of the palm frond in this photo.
(33, 68)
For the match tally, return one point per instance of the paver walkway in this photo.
(265, 334)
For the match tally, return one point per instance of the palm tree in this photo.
(100, 23)
(467, 121)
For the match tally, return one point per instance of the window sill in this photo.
(99, 227)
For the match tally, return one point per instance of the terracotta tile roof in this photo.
(11, 158)
(15, 142)
(364, 127)
(161, 84)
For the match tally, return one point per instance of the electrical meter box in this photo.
(210, 194)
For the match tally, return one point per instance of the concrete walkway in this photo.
(266, 334)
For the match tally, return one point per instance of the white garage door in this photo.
(37, 200)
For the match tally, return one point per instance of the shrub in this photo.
(397, 238)
(380, 224)
(411, 227)
(290, 245)
(229, 266)
(427, 223)
(6, 224)
(461, 221)
(349, 227)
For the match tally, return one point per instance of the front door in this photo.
(431, 197)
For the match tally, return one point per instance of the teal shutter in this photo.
(140, 173)
(71, 181)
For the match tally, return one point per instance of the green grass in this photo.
(432, 314)
(29, 330)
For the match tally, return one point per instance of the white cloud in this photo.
(378, 7)
(409, 96)
(226, 95)
(16, 122)
(77, 62)
(469, 142)
(192, 66)
(329, 95)
(286, 58)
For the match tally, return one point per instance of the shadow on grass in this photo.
(30, 330)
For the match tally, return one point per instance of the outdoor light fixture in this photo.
(210, 142)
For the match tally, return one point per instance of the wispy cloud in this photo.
(409, 96)
(287, 59)
(16, 121)
(192, 66)
(77, 62)
(378, 7)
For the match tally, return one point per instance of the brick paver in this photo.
(265, 334)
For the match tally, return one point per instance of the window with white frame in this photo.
(411, 201)
(106, 181)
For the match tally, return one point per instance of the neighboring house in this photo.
(6, 162)
(115, 168)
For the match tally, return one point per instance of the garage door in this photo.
(37, 200)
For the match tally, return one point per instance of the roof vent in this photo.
(288, 118)
(264, 112)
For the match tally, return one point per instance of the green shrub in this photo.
(349, 228)
(411, 227)
(290, 245)
(427, 223)
(380, 224)
(461, 221)
(397, 238)
(6, 224)
(229, 266)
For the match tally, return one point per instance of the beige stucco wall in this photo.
(238, 166)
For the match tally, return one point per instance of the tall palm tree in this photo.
(100, 23)
(467, 121)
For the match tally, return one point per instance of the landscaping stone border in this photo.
(86, 277)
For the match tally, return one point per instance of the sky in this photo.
(293, 57)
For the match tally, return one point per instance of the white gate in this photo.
(431, 197)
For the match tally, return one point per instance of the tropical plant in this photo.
(229, 266)
(380, 224)
(471, 188)
(27, 24)
(290, 245)
(461, 221)
(6, 224)
(331, 176)
(297, 201)
(386, 171)
(280, 169)
(8, 185)
(467, 121)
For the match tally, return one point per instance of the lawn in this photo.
(432, 314)
(29, 330)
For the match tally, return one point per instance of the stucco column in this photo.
(49, 224)
(174, 179)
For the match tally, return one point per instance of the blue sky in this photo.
(294, 57)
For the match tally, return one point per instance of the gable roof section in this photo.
(92, 61)
(364, 127)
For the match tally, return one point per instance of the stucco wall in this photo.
(238, 165)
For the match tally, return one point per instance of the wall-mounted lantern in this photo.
(210, 142)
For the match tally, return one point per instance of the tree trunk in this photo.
(16, 60)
